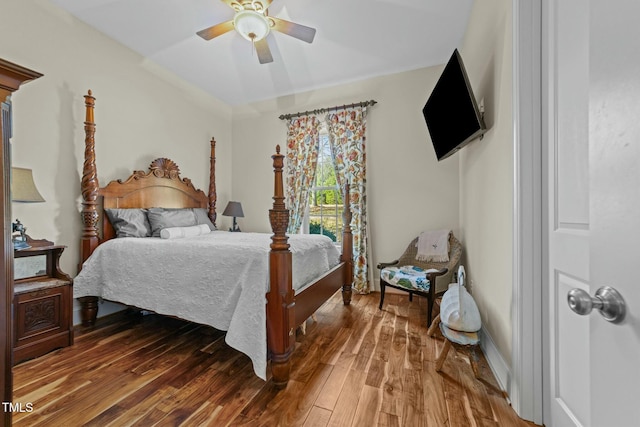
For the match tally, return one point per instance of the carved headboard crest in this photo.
(164, 168)
(160, 168)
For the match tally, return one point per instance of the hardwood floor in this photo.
(356, 366)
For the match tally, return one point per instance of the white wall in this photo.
(408, 190)
(142, 113)
(486, 171)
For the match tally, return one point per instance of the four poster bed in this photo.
(185, 283)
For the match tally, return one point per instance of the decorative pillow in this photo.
(129, 222)
(181, 232)
(458, 310)
(160, 218)
(202, 217)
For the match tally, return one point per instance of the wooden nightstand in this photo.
(42, 302)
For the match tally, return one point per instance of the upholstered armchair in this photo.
(428, 279)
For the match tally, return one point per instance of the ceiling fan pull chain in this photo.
(253, 43)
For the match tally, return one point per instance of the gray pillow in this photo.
(129, 222)
(160, 218)
(202, 217)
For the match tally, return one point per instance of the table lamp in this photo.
(23, 190)
(234, 209)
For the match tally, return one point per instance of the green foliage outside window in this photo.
(316, 228)
(325, 177)
(325, 198)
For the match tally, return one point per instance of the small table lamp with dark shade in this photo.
(234, 209)
(23, 190)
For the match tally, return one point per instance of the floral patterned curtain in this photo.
(300, 167)
(346, 135)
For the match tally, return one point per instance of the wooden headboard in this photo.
(161, 186)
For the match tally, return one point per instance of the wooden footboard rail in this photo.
(281, 300)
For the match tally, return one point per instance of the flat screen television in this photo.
(451, 112)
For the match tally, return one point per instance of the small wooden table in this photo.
(465, 341)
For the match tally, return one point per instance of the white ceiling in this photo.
(355, 39)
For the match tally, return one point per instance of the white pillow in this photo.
(180, 232)
(458, 309)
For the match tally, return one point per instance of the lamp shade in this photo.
(233, 209)
(23, 189)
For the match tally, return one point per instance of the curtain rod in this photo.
(326, 110)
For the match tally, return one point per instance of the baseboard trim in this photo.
(496, 362)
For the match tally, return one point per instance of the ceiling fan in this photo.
(253, 22)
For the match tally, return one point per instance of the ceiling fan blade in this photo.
(264, 53)
(298, 31)
(216, 30)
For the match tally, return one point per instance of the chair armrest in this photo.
(382, 265)
(432, 276)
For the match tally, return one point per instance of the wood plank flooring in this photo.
(356, 366)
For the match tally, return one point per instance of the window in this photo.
(324, 210)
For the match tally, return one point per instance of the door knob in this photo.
(608, 301)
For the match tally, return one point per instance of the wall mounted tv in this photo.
(451, 112)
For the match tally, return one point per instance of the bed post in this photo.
(213, 195)
(347, 247)
(89, 188)
(280, 299)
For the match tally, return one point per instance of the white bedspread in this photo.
(217, 279)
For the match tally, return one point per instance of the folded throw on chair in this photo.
(433, 246)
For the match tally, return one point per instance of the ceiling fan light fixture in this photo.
(251, 25)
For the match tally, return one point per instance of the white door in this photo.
(594, 217)
(614, 155)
